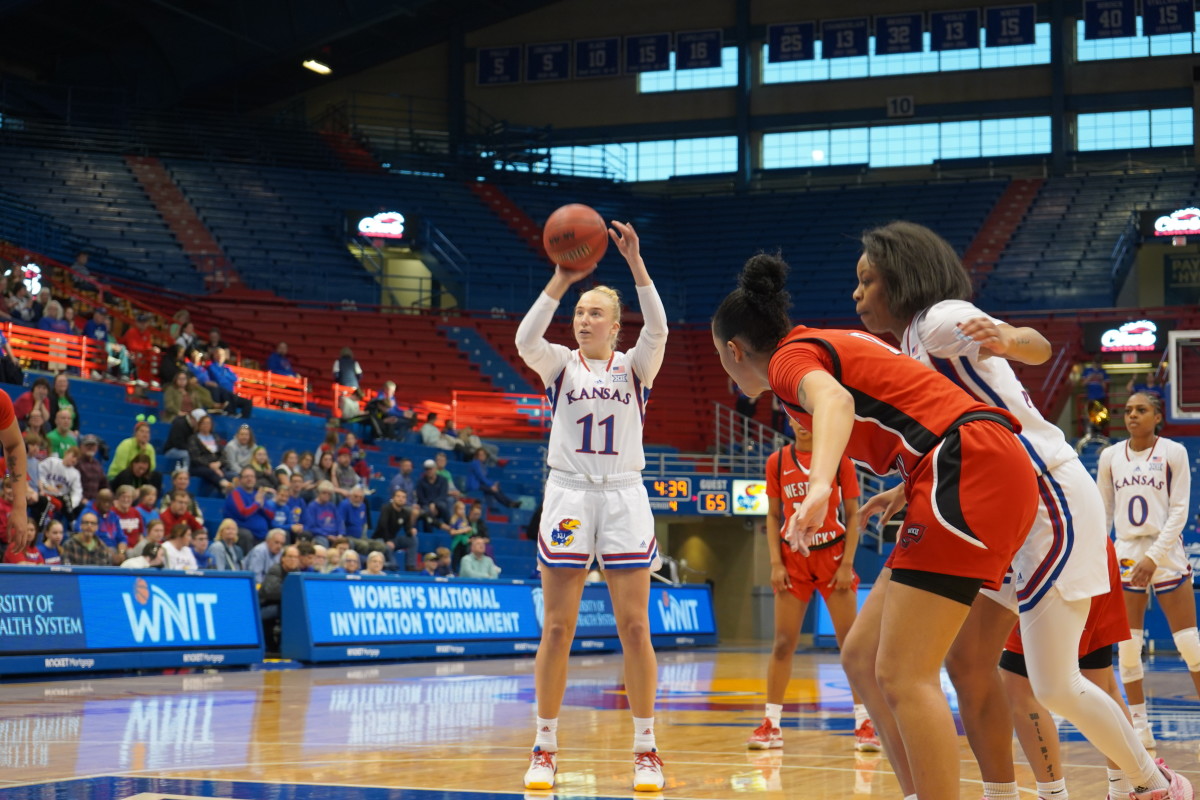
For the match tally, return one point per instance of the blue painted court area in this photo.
(116, 788)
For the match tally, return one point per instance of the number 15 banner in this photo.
(1010, 26)
(1160, 17)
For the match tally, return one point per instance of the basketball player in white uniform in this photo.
(1146, 485)
(910, 284)
(595, 505)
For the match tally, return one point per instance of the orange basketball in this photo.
(575, 237)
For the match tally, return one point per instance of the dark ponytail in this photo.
(757, 310)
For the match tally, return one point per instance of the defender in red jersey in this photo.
(16, 537)
(828, 569)
(972, 491)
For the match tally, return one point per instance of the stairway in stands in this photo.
(983, 253)
(351, 152)
(183, 221)
(511, 214)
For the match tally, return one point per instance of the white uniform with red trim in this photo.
(1065, 547)
(1146, 495)
(595, 504)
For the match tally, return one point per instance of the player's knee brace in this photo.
(1129, 656)
(1187, 642)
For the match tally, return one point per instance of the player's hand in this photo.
(780, 582)
(885, 505)
(843, 577)
(570, 276)
(626, 240)
(990, 336)
(18, 529)
(805, 521)
(1142, 573)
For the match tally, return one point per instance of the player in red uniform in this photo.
(828, 569)
(16, 537)
(971, 490)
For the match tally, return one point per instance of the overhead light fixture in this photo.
(317, 66)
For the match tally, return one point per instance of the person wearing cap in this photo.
(176, 447)
(344, 477)
(92, 477)
(433, 496)
(430, 565)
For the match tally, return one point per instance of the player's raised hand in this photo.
(626, 240)
(570, 276)
(805, 521)
(885, 505)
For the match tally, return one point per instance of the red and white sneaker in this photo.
(765, 737)
(647, 772)
(1180, 788)
(542, 766)
(865, 738)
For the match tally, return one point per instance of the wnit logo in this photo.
(154, 616)
(678, 615)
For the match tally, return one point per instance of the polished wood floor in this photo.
(446, 729)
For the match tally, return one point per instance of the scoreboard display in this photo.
(694, 495)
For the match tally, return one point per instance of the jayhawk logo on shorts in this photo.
(1127, 565)
(563, 535)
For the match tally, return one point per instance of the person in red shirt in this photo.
(177, 512)
(140, 344)
(13, 442)
(971, 490)
(132, 523)
(828, 569)
(29, 554)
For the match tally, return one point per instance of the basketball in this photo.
(575, 237)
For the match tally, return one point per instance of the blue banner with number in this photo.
(497, 65)
(898, 33)
(1011, 25)
(547, 62)
(1161, 17)
(791, 42)
(697, 49)
(1109, 19)
(844, 38)
(598, 58)
(649, 53)
(954, 30)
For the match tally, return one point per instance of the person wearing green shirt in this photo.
(62, 438)
(478, 564)
(139, 443)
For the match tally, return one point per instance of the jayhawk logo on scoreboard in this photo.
(563, 535)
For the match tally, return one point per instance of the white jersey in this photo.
(933, 338)
(599, 406)
(1146, 493)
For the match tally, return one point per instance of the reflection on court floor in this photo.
(462, 729)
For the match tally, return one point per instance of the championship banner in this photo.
(79, 618)
(338, 618)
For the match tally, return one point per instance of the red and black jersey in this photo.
(787, 480)
(901, 407)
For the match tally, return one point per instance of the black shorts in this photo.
(1100, 658)
(953, 587)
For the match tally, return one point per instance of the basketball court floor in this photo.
(420, 731)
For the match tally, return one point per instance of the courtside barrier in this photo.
(67, 619)
(354, 618)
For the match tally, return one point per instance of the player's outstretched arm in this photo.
(627, 242)
(832, 410)
(1025, 345)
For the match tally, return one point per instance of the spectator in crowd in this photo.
(478, 564)
(353, 517)
(1095, 381)
(84, 549)
(108, 524)
(147, 503)
(246, 505)
(337, 546)
(260, 462)
(310, 476)
(346, 370)
(429, 565)
(7, 498)
(62, 437)
(443, 470)
(270, 596)
(38, 306)
(215, 341)
(432, 437)
(91, 471)
(155, 532)
(358, 458)
(204, 375)
(60, 398)
(320, 558)
(460, 534)
(397, 529)
(287, 512)
(320, 516)
(225, 552)
(138, 474)
(308, 556)
(476, 520)
(183, 395)
(330, 445)
(99, 329)
(27, 553)
(177, 549)
(58, 480)
(289, 465)
(38, 395)
(345, 479)
(403, 479)
(177, 511)
(374, 563)
(472, 444)
(36, 422)
(324, 468)
(349, 564)
(265, 554)
(1146, 383)
(139, 343)
(239, 450)
(433, 496)
(181, 481)
(200, 549)
(178, 320)
(173, 361)
(130, 521)
(128, 448)
(394, 422)
(53, 320)
(204, 455)
(20, 304)
(186, 340)
(444, 570)
(153, 556)
(478, 481)
(279, 363)
(175, 449)
(51, 544)
(226, 379)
